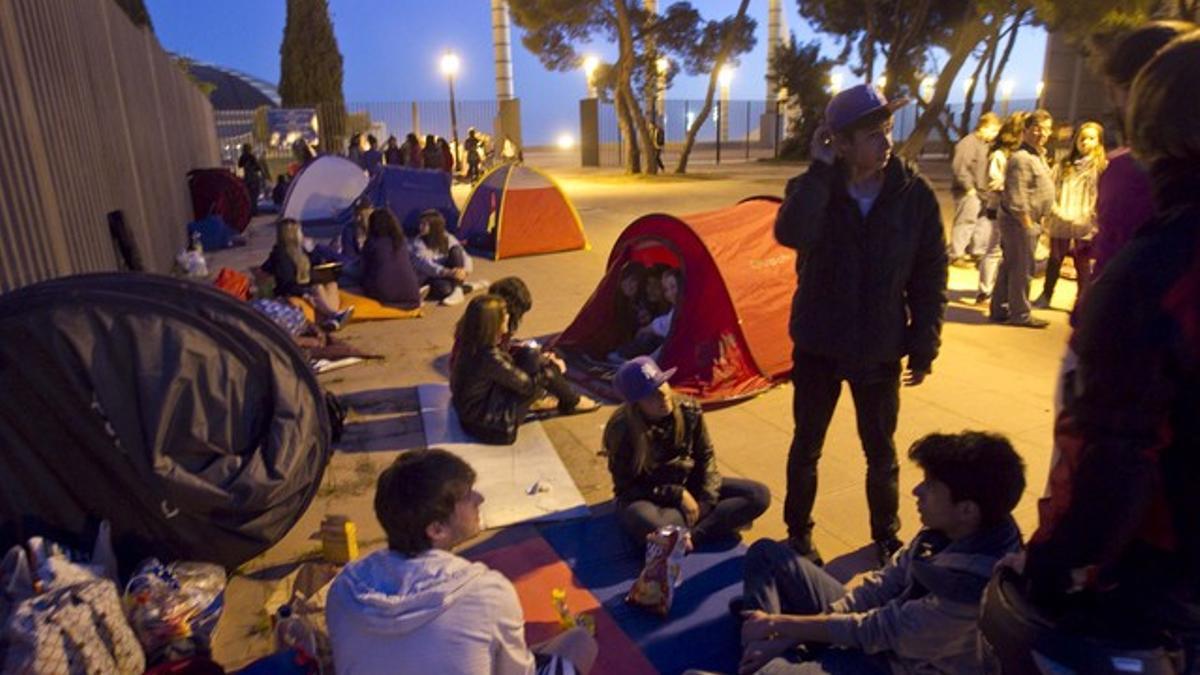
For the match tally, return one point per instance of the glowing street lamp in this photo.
(1006, 91)
(967, 84)
(927, 86)
(882, 82)
(725, 78)
(590, 64)
(450, 66)
(1041, 87)
(565, 141)
(835, 82)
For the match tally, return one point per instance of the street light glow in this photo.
(450, 64)
(882, 82)
(1041, 86)
(835, 82)
(565, 141)
(590, 64)
(927, 86)
(662, 65)
(967, 84)
(1006, 88)
(725, 76)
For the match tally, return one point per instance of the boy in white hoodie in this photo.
(417, 608)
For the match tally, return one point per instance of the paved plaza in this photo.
(987, 377)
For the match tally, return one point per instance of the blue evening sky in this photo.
(391, 49)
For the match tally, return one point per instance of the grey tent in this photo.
(178, 413)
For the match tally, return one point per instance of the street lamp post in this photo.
(450, 69)
(590, 64)
(725, 78)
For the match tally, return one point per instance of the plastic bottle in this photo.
(293, 632)
(197, 244)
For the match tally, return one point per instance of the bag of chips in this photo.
(655, 586)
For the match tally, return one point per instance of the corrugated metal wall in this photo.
(94, 117)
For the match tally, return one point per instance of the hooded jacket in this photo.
(434, 613)
(922, 610)
(869, 289)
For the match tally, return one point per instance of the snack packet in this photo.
(655, 586)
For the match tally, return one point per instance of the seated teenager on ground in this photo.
(440, 260)
(518, 301)
(416, 608)
(920, 612)
(651, 336)
(662, 463)
(492, 392)
(388, 274)
(351, 239)
(290, 266)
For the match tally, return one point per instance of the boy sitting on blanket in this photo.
(416, 608)
(919, 613)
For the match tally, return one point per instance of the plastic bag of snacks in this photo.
(655, 586)
(174, 608)
(567, 620)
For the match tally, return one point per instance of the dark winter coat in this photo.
(491, 394)
(388, 275)
(689, 465)
(869, 289)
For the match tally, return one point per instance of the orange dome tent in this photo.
(516, 210)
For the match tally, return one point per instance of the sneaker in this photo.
(1043, 302)
(477, 286)
(807, 550)
(1028, 322)
(983, 298)
(455, 298)
(343, 316)
(424, 292)
(998, 318)
(886, 548)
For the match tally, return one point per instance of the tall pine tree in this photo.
(311, 68)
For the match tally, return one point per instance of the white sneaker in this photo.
(479, 285)
(455, 298)
(424, 292)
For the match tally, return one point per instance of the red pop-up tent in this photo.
(219, 192)
(730, 333)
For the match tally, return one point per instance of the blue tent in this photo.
(408, 192)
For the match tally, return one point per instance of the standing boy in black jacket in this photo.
(871, 289)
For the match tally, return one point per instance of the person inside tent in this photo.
(392, 154)
(432, 155)
(441, 261)
(518, 301)
(651, 336)
(662, 463)
(631, 312)
(491, 392)
(387, 269)
(291, 269)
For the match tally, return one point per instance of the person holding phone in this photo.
(871, 270)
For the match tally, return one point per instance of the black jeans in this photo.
(876, 391)
(441, 287)
(739, 503)
(549, 378)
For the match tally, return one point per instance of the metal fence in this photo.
(906, 119)
(94, 118)
(741, 123)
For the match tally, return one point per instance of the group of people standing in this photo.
(1008, 194)
(434, 153)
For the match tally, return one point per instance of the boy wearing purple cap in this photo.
(871, 273)
(662, 463)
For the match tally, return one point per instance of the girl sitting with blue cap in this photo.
(662, 463)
